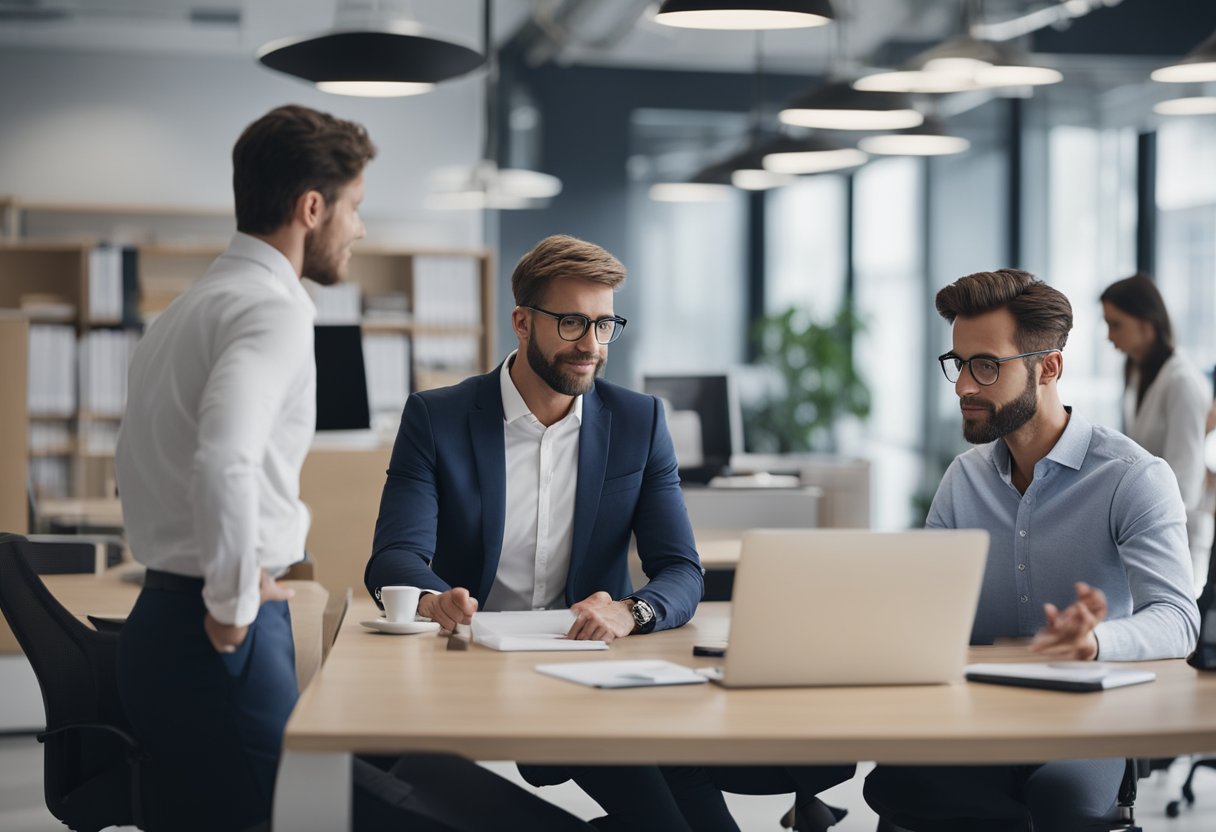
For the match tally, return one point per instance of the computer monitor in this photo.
(341, 380)
(705, 422)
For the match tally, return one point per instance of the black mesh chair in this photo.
(1019, 820)
(91, 762)
(1204, 658)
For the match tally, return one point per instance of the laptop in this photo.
(817, 607)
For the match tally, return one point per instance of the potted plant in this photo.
(816, 384)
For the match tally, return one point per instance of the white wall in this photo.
(113, 127)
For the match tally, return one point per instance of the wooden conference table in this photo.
(390, 694)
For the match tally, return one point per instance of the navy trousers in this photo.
(212, 724)
(1060, 796)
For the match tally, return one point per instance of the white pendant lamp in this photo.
(1197, 67)
(929, 139)
(486, 186)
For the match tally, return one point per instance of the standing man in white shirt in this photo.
(221, 412)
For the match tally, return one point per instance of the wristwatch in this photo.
(643, 615)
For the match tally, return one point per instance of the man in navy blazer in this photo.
(443, 511)
(520, 490)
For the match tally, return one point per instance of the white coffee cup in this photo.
(400, 603)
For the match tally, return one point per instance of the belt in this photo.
(169, 582)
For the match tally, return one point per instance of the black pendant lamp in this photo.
(737, 14)
(390, 59)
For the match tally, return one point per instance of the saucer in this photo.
(401, 628)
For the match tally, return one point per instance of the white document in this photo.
(624, 674)
(1073, 676)
(540, 630)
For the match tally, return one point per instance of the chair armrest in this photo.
(128, 740)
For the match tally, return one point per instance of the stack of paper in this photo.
(539, 630)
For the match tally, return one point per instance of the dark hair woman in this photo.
(1166, 398)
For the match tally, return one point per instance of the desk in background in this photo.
(395, 694)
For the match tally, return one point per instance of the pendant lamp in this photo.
(1195, 105)
(929, 139)
(812, 154)
(372, 57)
(485, 185)
(958, 65)
(735, 14)
(838, 106)
(1197, 67)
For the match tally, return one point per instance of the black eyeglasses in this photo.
(572, 326)
(984, 368)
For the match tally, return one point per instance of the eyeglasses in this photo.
(984, 369)
(572, 326)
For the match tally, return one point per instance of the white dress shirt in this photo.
(221, 410)
(542, 475)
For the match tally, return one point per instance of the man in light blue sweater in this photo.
(1088, 554)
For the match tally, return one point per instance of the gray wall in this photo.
(106, 127)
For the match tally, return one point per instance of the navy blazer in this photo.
(443, 509)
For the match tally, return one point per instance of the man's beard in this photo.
(551, 374)
(323, 261)
(1003, 421)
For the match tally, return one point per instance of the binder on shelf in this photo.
(131, 292)
(52, 370)
(386, 357)
(104, 357)
(447, 291)
(50, 476)
(105, 283)
(337, 305)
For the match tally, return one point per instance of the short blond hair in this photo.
(562, 256)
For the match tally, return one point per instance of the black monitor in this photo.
(341, 380)
(707, 402)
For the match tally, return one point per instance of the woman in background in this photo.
(1166, 400)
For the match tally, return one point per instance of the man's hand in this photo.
(450, 608)
(601, 619)
(225, 638)
(1070, 634)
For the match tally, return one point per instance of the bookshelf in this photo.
(427, 312)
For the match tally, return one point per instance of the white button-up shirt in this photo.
(221, 410)
(542, 475)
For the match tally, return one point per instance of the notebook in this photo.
(853, 607)
(623, 674)
(538, 631)
(1080, 677)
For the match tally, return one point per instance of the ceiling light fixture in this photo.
(810, 155)
(367, 55)
(930, 139)
(734, 14)
(1196, 105)
(959, 65)
(837, 106)
(485, 185)
(1197, 67)
(689, 192)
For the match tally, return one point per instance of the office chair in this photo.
(91, 763)
(1204, 658)
(1019, 820)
